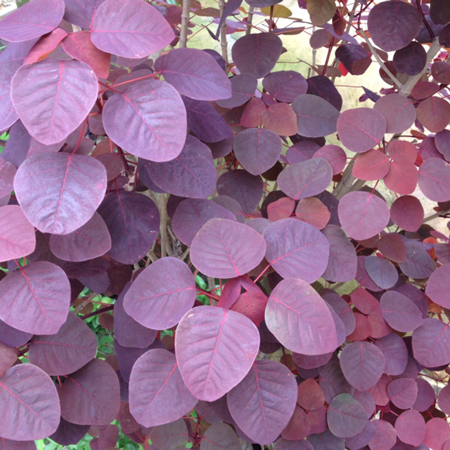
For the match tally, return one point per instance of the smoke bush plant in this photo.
(263, 291)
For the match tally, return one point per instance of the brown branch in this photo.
(223, 32)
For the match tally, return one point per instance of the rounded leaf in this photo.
(403, 392)
(385, 436)
(400, 312)
(433, 113)
(410, 427)
(370, 166)
(335, 156)
(158, 394)
(395, 353)
(220, 436)
(346, 417)
(75, 186)
(141, 118)
(398, 111)
(285, 86)
(407, 212)
(382, 272)
(434, 179)
(438, 286)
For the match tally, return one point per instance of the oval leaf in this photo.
(400, 312)
(346, 417)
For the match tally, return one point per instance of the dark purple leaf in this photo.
(243, 187)
(425, 395)
(8, 356)
(333, 382)
(35, 298)
(220, 436)
(133, 223)
(216, 361)
(264, 401)
(323, 87)
(29, 404)
(434, 180)
(407, 212)
(363, 214)
(419, 264)
(361, 129)
(326, 441)
(444, 399)
(301, 151)
(192, 214)
(130, 28)
(300, 319)
(441, 141)
(441, 71)
(257, 53)
(410, 427)
(32, 20)
(346, 417)
(342, 309)
(431, 343)
(243, 89)
(157, 392)
(70, 85)
(127, 357)
(12, 337)
(69, 433)
(315, 116)
(393, 25)
(226, 249)
(362, 364)
(434, 114)
(382, 272)
(232, 205)
(392, 247)
(296, 249)
(305, 179)
(354, 58)
(285, 86)
(66, 351)
(191, 174)
(140, 119)
(342, 261)
(194, 73)
(85, 401)
(398, 111)
(174, 435)
(400, 312)
(257, 149)
(395, 353)
(17, 145)
(310, 362)
(410, 59)
(77, 187)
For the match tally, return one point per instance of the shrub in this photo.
(185, 255)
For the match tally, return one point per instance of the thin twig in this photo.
(435, 216)
(249, 20)
(223, 32)
(184, 23)
(99, 311)
(162, 204)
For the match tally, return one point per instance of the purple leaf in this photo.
(393, 25)
(157, 392)
(161, 294)
(264, 401)
(127, 357)
(362, 439)
(419, 264)
(81, 13)
(311, 362)
(243, 89)
(361, 129)
(220, 436)
(385, 436)
(434, 179)
(285, 86)
(403, 392)
(398, 111)
(300, 319)
(226, 249)
(400, 312)
(438, 286)
(362, 364)
(32, 20)
(7, 444)
(425, 395)
(323, 87)
(354, 58)
(315, 116)
(216, 361)
(7, 173)
(434, 114)
(257, 149)
(16, 234)
(395, 353)
(333, 382)
(192, 214)
(130, 28)
(257, 53)
(66, 351)
(326, 441)
(76, 187)
(85, 401)
(70, 85)
(35, 298)
(335, 156)
(305, 179)
(301, 151)
(191, 174)
(382, 272)
(363, 214)
(127, 331)
(194, 73)
(410, 427)
(296, 249)
(407, 212)
(342, 309)
(431, 343)
(29, 404)
(437, 433)
(411, 59)
(140, 119)
(133, 223)
(18, 144)
(12, 337)
(8, 114)
(284, 444)
(346, 417)
(90, 241)
(172, 435)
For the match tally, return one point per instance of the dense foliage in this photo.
(186, 257)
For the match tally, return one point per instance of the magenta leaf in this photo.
(438, 286)
(171, 435)
(133, 223)
(385, 436)
(70, 85)
(285, 85)
(371, 165)
(45, 45)
(257, 149)
(437, 432)
(29, 404)
(130, 28)
(214, 362)
(226, 249)
(140, 120)
(407, 212)
(410, 427)
(400, 312)
(257, 53)
(85, 401)
(157, 392)
(194, 73)
(346, 417)
(300, 319)
(264, 401)
(363, 214)
(66, 351)
(361, 129)
(77, 187)
(402, 392)
(296, 249)
(305, 179)
(17, 236)
(161, 294)
(35, 298)
(191, 174)
(32, 20)
(398, 111)
(315, 116)
(362, 364)
(434, 179)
